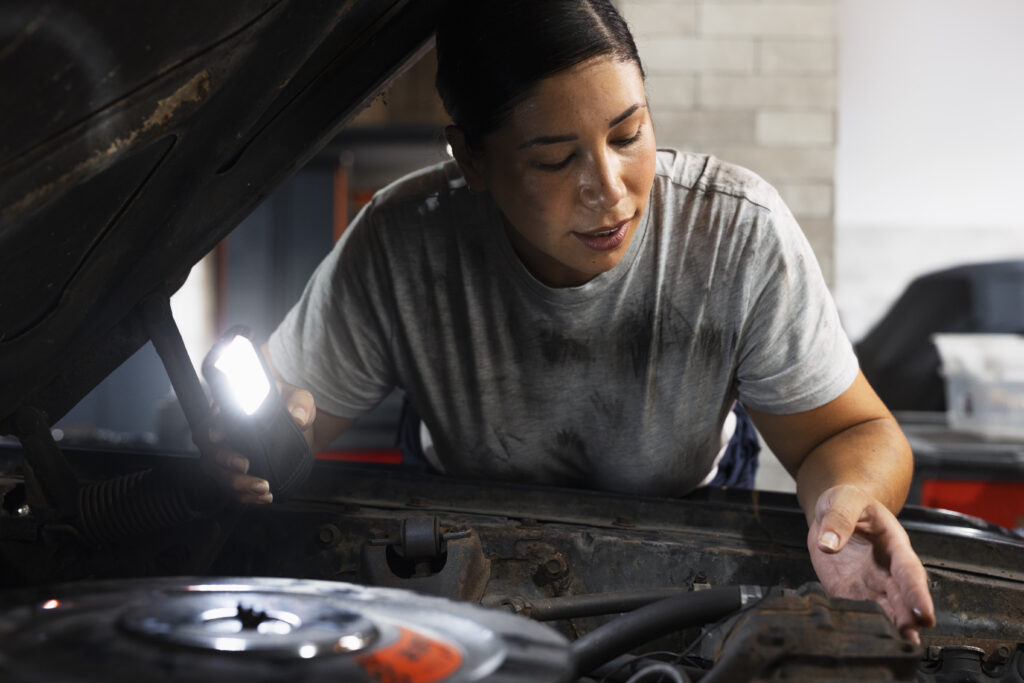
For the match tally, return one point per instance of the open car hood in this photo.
(135, 136)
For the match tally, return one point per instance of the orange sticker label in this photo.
(413, 658)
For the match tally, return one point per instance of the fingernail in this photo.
(829, 540)
(300, 414)
(260, 487)
(239, 463)
(266, 498)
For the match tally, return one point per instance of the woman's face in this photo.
(572, 170)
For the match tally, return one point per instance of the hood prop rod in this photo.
(49, 480)
(166, 338)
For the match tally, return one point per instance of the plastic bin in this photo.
(984, 377)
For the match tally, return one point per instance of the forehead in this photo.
(593, 92)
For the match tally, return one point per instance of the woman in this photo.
(566, 304)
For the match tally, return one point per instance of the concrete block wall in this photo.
(752, 82)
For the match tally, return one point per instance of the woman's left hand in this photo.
(860, 551)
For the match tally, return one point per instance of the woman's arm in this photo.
(319, 427)
(853, 439)
(853, 468)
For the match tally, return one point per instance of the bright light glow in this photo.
(307, 651)
(229, 644)
(276, 628)
(448, 149)
(351, 643)
(51, 604)
(246, 379)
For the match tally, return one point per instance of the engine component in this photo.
(957, 664)
(805, 635)
(422, 558)
(247, 629)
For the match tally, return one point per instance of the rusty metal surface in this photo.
(667, 544)
(807, 636)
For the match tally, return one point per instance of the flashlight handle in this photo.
(276, 448)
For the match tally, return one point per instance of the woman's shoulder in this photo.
(423, 190)
(428, 200)
(691, 172)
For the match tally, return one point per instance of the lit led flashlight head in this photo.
(256, 421)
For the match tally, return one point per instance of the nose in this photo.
(601, 184)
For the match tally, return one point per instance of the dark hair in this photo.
(491, 53)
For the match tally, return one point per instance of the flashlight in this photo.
(256, 421)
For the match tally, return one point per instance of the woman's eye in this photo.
(626, 142)
(556, 166)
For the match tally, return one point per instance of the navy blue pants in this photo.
(738, 467)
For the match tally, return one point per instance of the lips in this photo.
(605, 238)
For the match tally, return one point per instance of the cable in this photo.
(647, 623)
(660, 669)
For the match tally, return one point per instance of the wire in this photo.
(660, 669)
(627, 660)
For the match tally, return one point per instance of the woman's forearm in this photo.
(873, 455)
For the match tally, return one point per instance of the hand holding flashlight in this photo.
(231, 468)
(269, 455)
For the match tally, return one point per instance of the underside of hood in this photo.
(135, 136)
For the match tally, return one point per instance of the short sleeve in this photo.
(794, 355)
(335, 341)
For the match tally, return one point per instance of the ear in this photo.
(468, 159)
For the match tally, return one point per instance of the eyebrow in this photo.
(552, 139)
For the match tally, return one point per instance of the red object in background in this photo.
(1001, 502)
(378, 457)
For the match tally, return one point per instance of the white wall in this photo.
(930, 151)
(753, 82)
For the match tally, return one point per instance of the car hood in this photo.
(135, 136)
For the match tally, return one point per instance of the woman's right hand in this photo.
(230, 469)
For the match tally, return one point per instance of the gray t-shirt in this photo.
(620, 384)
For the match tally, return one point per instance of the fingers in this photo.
(913, 600)
(230, 470)
(301, 407)
(912, 584)
(837, 512)
(232, 461)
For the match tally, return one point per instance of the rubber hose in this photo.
(140, 503)
(593, 605)
(653, 621)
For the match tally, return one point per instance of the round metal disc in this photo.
(254, 622)
(265, 630)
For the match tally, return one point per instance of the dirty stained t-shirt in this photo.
(620, 384)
